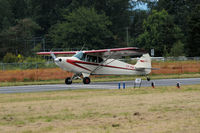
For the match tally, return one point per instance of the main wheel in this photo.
(68, 81)
(86, 80)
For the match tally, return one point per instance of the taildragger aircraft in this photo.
(101, 62)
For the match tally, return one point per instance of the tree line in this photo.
(171, 27)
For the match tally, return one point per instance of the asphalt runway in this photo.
(98, 85)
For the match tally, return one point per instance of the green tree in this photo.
(18, 8)
(177, 49)
(136, 27)
(82, 27)
(6, 16)
(159, 32)
(193, 40)
(118, 12)
(180, 10)
(47, 12)
(15, 38)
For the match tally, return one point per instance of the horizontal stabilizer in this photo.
(143, 68)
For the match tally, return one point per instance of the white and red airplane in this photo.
(101, 62)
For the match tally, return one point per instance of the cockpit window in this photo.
(94, 59)
(89, 58)
(80, 55)
(100, 60)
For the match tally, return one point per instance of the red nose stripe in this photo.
(73, 62)
(143, 61)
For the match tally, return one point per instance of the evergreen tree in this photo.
(6, 16)
(193, 40)
(159, 32)
(82, 27)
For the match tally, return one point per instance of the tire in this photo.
(148, 79)
(68, 81)
(86, 80)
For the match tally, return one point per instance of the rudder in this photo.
(144, 63)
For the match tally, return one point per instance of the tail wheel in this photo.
(148, 79)
(86, 80)
(68, 81)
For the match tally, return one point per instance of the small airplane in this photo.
(101, 62)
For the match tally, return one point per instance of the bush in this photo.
(34, 60)
(10, 58)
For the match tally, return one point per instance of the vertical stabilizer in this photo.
(144, 64)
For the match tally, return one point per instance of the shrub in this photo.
(10, 58)
(34, 60)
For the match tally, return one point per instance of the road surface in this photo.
(97, 85)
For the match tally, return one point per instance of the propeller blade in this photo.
(53, 55)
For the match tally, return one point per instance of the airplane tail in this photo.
(144, 64)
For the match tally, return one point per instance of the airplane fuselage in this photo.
(101, 62)
(109, 67)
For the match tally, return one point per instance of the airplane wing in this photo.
(116, 52)
(56, 53)
(112, 53)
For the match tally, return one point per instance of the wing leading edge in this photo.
(115, 52)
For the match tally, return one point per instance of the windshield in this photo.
(80, 55)
(89, 58)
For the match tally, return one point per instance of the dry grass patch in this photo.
(176, 67)
(160, 110)
(33, 75)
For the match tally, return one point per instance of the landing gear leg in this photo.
(68, 81)
(86, 80)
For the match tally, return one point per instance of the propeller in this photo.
(53, 55)
(56, 60)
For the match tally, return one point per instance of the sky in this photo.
(142, 6)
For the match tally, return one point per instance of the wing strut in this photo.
(100, 65)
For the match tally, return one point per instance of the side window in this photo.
(94, 59)
(100, 60)
(91, 58)
(82, 57)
